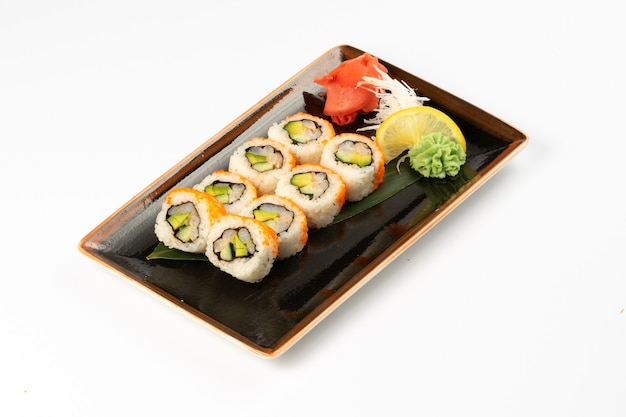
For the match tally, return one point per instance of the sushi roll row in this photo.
(275, 189)
(305, 139)
(356, 158)
(194, 221)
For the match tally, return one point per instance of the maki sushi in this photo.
(234, 191)
(317, 190)
(185, 218)
(262, 161)
(358, 160)
(304, 134)
(285, 217)
(243, 247)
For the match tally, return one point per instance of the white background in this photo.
(513, 305)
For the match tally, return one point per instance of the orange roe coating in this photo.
(215, 209)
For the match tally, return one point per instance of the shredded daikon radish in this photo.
(393, 95)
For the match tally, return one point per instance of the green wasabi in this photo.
(436, 156)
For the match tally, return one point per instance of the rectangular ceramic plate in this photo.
(269, 317)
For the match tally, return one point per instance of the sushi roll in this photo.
(243, 247)
(234, 191)
(317, 190)
(185, 218)
(358, 160)
(285, 217)
(262, 161)
(304, 134)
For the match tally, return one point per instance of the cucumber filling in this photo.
(275, 216)
(234, 244)
(311, 184)
(184, 220)
(303, 131)
(264, 158)
(225, 192)
(357, 153)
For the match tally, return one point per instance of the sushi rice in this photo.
(234, 191)
(262, 161)
(304, 134)
(358, 160)
(185, 218)
(285, 217)
(317, 190)
(243, 247)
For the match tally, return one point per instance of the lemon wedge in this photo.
(404, 128)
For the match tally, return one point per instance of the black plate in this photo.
(268, 317)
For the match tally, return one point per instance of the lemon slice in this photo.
(402, 129)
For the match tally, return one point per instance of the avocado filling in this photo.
(303, 131)
(264, 158)
(275, 216)
(357, 153)
(312, 184)
(225, 192)
(233, 244)
(184, 220)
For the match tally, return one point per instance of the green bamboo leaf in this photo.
(394, 181)
(163, 252)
